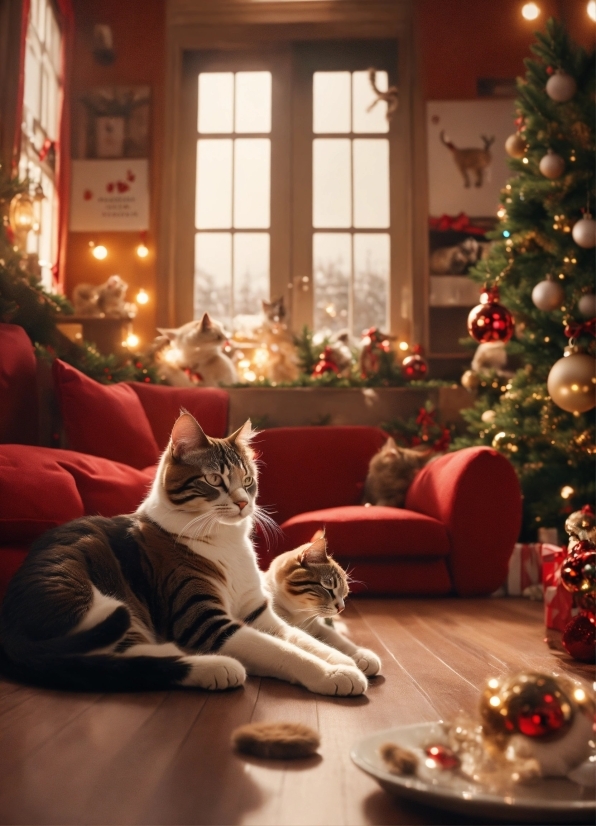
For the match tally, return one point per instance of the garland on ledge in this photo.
(420, 430)
(24, 301)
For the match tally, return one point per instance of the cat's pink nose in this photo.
(242, 504)
(340, 608)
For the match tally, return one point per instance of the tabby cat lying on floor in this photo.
(391, 472)
(307, 586)
(168, 596)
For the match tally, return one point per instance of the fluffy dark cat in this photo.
(391, 472)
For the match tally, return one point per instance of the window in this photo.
(291, 156)
(40, 128)
(233, 203)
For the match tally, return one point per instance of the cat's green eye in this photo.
(213, 479)
(247, 481)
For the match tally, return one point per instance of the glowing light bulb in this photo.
(530, 11)
(567, 492)
(591, 9)
(142, 251)
(142, 297)
(100, 252)
(403, 345)
(132, 340)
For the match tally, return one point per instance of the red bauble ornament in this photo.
(326, 364)
(442, 756)
(578, 573)
(414, 366)
(528, 703)
(578, 638)
(489, 320)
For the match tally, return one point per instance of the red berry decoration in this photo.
(578, 573)
(527, 703)
(578, 638)
(326, 364)
(489, 320)
(442, 756)
(414, 366)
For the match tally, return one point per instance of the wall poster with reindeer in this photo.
(467, 164)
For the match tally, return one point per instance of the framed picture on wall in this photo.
(113, 122)
(467, 162)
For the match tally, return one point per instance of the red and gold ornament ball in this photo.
(326, 364)
(578, 573)
(489, 320)
(579, 638)
(414, 367)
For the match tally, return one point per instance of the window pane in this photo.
(213, 209)
(32, 81)
(251, 273)
(332, 265)
(216, 102)
(332, 197)
(371, 281)
(363, 96)
(213, 275)
(252, 173)
(371, 182)
(331, 102)
(253, 102)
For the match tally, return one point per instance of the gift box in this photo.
(525, 567)
(558, 601)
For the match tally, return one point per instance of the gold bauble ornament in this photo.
(470, 380)
(581, 525)
(552, 165)
(572, 382)
(515, 146)
(584, 232)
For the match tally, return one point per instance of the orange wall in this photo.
(462, 40)
(138, 28)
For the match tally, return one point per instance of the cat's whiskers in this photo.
(269, 527)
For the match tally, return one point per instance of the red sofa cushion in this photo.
(11, 559)
(209, 406)
(405, 577)
(309, 468)
(18, 387)
(357, 532)
(456, 490)
(41, 488)
(104, 420)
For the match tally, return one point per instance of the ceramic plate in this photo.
(553, 800)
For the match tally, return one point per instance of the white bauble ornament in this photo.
(587, 305)
(488, 416)
(552, 165)
(584, 232)
(572, 382)
(470, 380)
(561, 87)
(515, 146)
(548, 295)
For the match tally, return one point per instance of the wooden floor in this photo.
(165, 758)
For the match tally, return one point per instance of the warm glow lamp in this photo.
(142, 297)
(530, 11)
(591, 9)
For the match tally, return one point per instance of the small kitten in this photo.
(455, 260)
(307, 586)
(108, 299)
(198, 347)
(391, 472)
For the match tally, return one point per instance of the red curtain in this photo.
(63, 149)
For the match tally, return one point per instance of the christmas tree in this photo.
(24, 301)
(542, 264)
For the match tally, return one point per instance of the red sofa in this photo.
(456, 534)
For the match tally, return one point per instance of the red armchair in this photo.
(455, 535)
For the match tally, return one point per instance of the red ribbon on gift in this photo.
(456, 223)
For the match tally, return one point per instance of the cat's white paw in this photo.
(367, 661)
(340, 681)
(337, 658)
(214, 672)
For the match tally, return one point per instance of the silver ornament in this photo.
(584, 232)
(587, 305)
(561, 87)
(548, 295)
(515, 146)
(572, 382)
(552, 165)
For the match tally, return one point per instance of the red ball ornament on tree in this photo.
(326, 364)
(578, 638)
(489, 320)
(578, 573)
(415, 366)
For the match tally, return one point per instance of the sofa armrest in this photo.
(475, 493)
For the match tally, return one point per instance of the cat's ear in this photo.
(391, 445)
(316, 553)
(242, 437)
(170, 334)
(206, 324)
(187, 436)
(266, 305)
